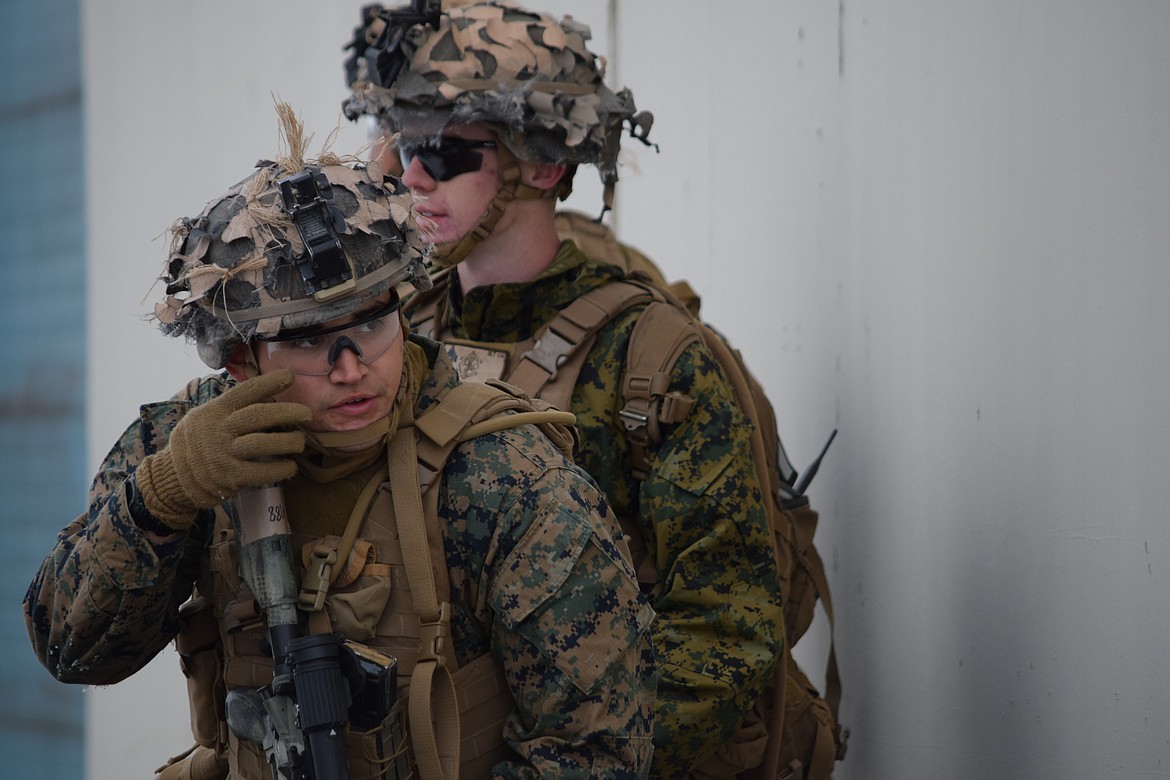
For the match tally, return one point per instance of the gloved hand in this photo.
(238, 440)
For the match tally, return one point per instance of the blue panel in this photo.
(42, 392)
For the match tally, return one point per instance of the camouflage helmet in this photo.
(525, 73)
(293, 245)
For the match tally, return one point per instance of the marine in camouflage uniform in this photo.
(529, 79)
(537, 580)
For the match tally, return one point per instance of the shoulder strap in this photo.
(656, 342)
(473, 409)
(436, 737)
(417, 456)
(549, 369)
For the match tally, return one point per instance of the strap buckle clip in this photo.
(550, 352)
(315, 583)
(434, 635)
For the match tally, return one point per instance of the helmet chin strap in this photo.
(511, 188)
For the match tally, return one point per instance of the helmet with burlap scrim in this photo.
(527, 74)
(295, 244)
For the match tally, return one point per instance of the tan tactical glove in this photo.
(236, 441)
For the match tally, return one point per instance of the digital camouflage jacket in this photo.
(700, 509)
(105, 601)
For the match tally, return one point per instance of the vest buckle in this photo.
(433, 636)
(550, 352)
(315, 583)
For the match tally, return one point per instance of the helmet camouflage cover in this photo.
(528, 74)
(249, 267)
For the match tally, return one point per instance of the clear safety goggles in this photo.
(314, 353)
(445, 158)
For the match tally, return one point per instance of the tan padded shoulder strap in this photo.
(446, 424)
(417, 457)
(549, 370)
(432, 706)
(657, 341)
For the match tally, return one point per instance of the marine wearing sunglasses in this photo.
(445, 157)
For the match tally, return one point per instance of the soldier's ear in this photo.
(543, 176)
(242, 363)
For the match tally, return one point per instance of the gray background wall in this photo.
(940, 227)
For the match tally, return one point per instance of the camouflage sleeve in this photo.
(105, 600)
(702, 509)
(566, 619)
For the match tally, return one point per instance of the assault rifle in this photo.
(320, 683)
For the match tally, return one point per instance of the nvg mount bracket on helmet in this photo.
(384, 56)
(324, 268)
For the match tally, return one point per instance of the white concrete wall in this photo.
(940, 227)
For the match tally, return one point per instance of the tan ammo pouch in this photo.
(378, 754)
(484, 703)
(354, 612)
(382, 752)
(198, 645)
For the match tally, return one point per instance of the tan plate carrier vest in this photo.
(455, 714)
(802, 732)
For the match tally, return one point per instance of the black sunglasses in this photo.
(445, 158)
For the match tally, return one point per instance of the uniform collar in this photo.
(515, 311)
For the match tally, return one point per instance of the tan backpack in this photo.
(805, 738)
